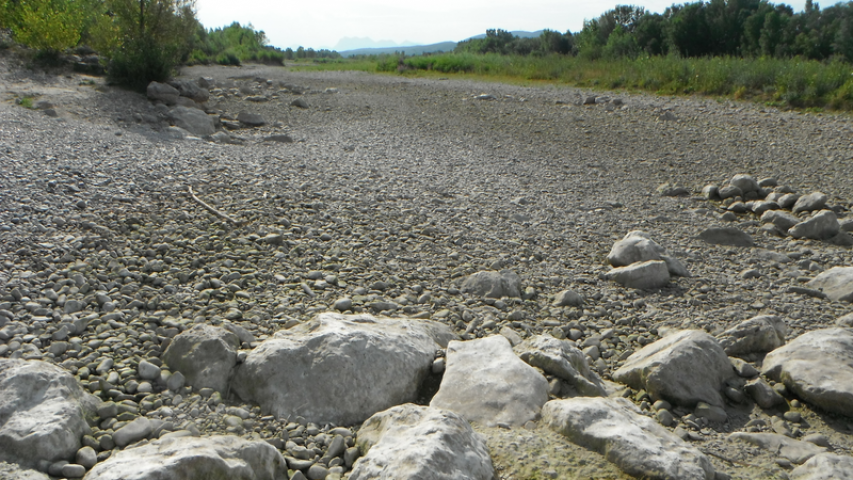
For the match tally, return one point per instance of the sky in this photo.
(324, 24)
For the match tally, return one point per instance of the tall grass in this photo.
(793, 82)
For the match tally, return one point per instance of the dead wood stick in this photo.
(213, 210)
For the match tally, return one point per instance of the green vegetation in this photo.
(26, 102)
(232, 45)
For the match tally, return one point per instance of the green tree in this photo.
(47, 25)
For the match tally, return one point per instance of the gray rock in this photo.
(192, 120)
(243, 335)
(148, 371)
(162, 92)
(563, 360)
(133, 432)
(684, 368)
(825, 466)
(340, 369)
(617, 429)
(191, 90)
(493, 284)
(11, 471)
(761, 207)
(205, 355)
(711, 192)
(176, 381)
(299, 103)
(756, 335)
(836, 283)
(568, 298)
(730, 236)
(635, 247)
(87, 457)
(343, 304)
(763, 394)
(846, 225)
(487, 383)
(820, 226)
(730, 192)
(190, 458)
(280, 138)
(746, 183)
(845, 321)
(811, 202)
(251, 119)
(843, 239)
(783, 220)
(817, 367)
(788, 200)
(410, 441)
(73, 470)
(649, 275)
(794, 450)
(43, 413)
(73, 306)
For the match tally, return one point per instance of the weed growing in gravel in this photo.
(26, 102)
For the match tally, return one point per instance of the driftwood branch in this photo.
(213, 210)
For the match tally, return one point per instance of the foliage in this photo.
(140, 61)
(48, 25)
(503, 42)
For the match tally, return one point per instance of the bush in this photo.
(49, 25)
(228, 57)
(139, 62)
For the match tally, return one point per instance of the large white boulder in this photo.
(825, 466)
(684, 368)
(563, 360)
(756, 335)
(340, 369)
(43, 413)
(836, 283)
(617, 429)
(205, 355)
(410, 441)
(487, 383)
(817, 367)
(191, 458)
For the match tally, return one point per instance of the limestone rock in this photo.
(825, 466)
(251, 119)
(205, 355)
(684, 368)
(192, 120)
(845, 321)
(649, 275)
(191, 90)
(493, 284)
(817, 367)
(836, 283)
(783, 220)
(730, 236)
(568, 298)
(340, 369)
(162, 92)
(11, 471)
(43, 413)
(763, 394)
(617, 429)
(811, 202)
(181, 458)
(635, 247)
(746, 183)
(794, 450)
(563, 360)
(487, 383)
(411, 441)
(756, 335)
(821, 226)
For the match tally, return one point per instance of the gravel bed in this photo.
(392, 191)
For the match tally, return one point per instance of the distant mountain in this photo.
(351, 43)
(410, 48)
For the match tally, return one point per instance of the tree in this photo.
(47, 25)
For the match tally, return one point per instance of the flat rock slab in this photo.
(825, 466)
(340, 369)
(192, 120)
(43, 412)
(487, 383)
(817, 367)
(649, 275)
(756, 335)
(730, 236)
(205, 355)
(411, 441)
(617, 429)
(563, 360)
(191, 458)
(794, 450)
(836, 283)
(684, 368)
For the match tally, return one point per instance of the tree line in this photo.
(746, 28)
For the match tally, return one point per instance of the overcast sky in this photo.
(323, 24)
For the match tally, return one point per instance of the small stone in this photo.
(87, 457)
(148, 371)
(73, 470)
(300, 103)
(343, 304)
